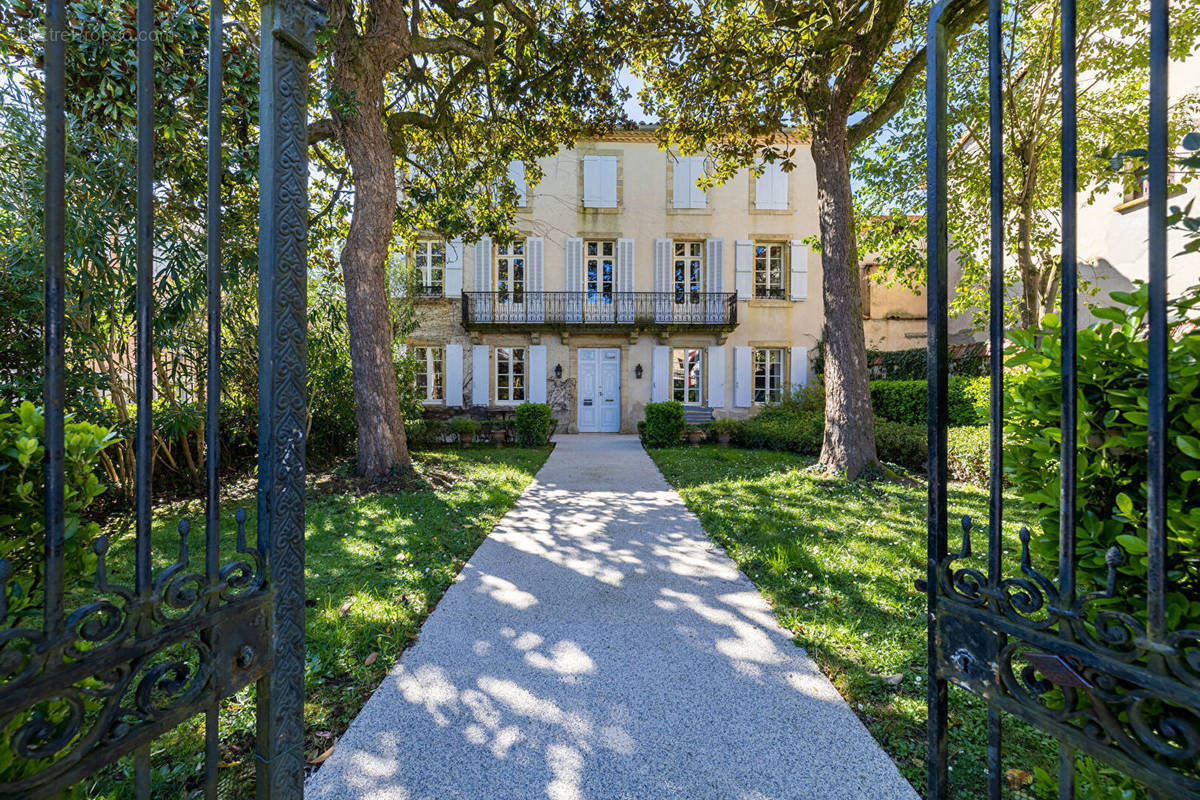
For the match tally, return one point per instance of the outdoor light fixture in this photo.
(558, 370)
(637, 371)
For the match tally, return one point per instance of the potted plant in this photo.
(499, 434)
(722, 430)
(694, 435)
(466, 428)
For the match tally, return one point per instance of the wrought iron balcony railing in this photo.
(714, 310)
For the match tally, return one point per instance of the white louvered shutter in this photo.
(454, 269)
(537, 373)
(625, 273)
(516, 174)
(770, 188)
(535, 278)
(743, 268)
(600, 181)
(716, 376)
(798, 255)
(714, 251)
(663, 280)
(798, 369)
(573, 279)
(743, 377)
(483, 280)
(481, 373)
(454, 375)
(684, 191)
(660, 374)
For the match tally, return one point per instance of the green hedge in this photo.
(665, 424)
(777, 428)
(905, 401)
(22, 450)
(533, 424)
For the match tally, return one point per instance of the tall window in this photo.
(430, 374)
(599, 262)
(510, 374)
(768, 270)
(689, 271)
(510, 272)
(686, 373)
(768, 375)
(431, 267)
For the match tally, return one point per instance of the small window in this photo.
(768, 375)
(599, 267)
(431, 267)
(768, 271)
(771, 188)
(430, 374)
(600, 181)
(510, 374)
(688, 271)
(688, 170)
(687, 367)
(510, 272)
(516, 174)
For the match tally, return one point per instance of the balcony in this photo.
(616, 311)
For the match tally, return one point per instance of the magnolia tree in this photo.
(428, 104)
(729, 76)
(1112, 107)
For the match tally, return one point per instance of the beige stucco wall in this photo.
(554, 211)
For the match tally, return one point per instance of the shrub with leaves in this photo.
(1113, 385)
(22, 526)
(905, 401)
(664, 424)
(533, 424)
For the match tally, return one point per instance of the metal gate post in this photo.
(288, 34)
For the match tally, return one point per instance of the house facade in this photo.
(628, 284)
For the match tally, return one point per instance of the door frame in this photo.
(579, 392)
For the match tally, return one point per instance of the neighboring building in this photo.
(628, 285)
(897, 318)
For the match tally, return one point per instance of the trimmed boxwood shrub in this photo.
(905, 401)
(664, 424)
(533, 424)
(780, 428)
(906, 445)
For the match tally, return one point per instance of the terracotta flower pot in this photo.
(723, 439)
(499, 435)
(694, 438)
(465, 439)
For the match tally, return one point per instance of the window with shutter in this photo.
(516, 174)
(771, 188)
(600, 181)
(688, 170)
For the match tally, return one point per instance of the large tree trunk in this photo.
(381, 441)
(849, 443)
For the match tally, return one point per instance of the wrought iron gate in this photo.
(103, 678)
(1102, 683)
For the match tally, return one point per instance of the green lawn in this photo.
(378, 561)
(837, 559)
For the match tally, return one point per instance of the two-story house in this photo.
(629, 284)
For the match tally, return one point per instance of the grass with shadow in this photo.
(837, 559)
(378, 559)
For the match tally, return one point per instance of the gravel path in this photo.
(598, 645)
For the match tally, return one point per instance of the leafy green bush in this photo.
(906, 445)
(905, 401)
(722, 426)
(968, 454)
(1112, 492)
(533, 423)
(664, 424)
(464, 424)
(979, 393)
(425, 433)
(22, 527)
(782, 428)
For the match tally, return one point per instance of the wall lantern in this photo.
(637, 371)
(558, 371)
